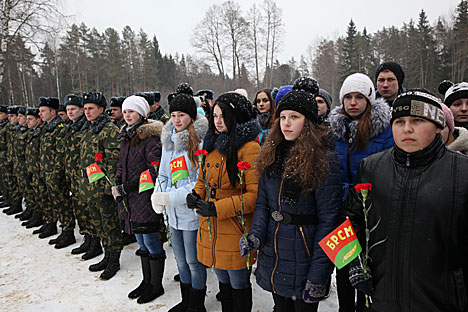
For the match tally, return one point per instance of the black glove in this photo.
(358, 279)
(192, 200)
(206, 209)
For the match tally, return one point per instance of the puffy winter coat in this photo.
(139, 217)
(289, 254)
(421, 199)
(344, 132)
(175, 145)
(222, 251)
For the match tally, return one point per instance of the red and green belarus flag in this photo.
(179, 169)
(146, 182)
(94, 172)
(341, 245)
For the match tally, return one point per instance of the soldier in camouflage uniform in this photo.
(57, 206)
(32, 195)
(116, 111)
(13, 189)
(156, 110)
(100, 137)
(4, 125)
(62, 112)
(72, 143)
(18, 148)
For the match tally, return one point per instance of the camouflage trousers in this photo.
(34, 198)
(103, 214)
(58, 205)
(80, 208)
(4, 184)
(12, 184)
(19, 170)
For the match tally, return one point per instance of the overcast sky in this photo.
(172, 21)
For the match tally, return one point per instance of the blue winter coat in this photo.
(287, 270)
(381, 138)
(175, 144)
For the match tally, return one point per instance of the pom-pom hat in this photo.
(183, 101)
(240, 106)
(301, 99)
(453, 91)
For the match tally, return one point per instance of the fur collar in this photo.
(3, 122)
(461, 141)
(145, 130)
(77, 125)
(380, 114)
(49, 127)
(97, 125)
(179, 141)
(37, 132)
(243, 133)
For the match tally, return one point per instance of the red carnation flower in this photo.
(155, 163)
(98, 157)
(201, 152)
(363, 187)
(244, 165)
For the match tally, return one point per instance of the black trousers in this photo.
(347, 293)
(283, 304)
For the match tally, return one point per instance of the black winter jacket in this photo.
(422, 200)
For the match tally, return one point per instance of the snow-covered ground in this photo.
(34, 276)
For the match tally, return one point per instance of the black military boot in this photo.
(35, 221)
(146, 271)
(184, 304)
(56, 240)
(41, 229)
(155, 288)
(94, 250)
(16, 207)
(49, 230)
(101, 265)
(25, 215)
(68, 238)
(242, 299)
(84, 247)
(113, 266)
(197, 300)
(5, 204)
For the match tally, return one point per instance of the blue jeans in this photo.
(184, 244)
(150, 242)
(238, 279)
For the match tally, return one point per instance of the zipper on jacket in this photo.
(407, 160)
(275, 242)
(305, 241)
(348, 159)
(214, 232)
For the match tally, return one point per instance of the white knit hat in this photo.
(138, 104)
(358, 83)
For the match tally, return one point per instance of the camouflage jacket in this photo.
(19, 143)
(72, 143)
(159, 114)
(4, 127)
(10, 139)
(33, 146)
(100, 137)
(51, 151)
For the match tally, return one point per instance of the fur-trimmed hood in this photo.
(97, 125)
(381, 115)
(461, 140)
(243, 133)
(179, 141)
(144, 131)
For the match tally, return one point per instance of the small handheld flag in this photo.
(341, 245)
(146, 182)
(94, 172)
(179, 169)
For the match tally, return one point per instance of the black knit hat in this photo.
(117, 101)
(302, 99)
(22, 110)
(51, 102)
(94, 97)
(327, 97)
(183, 101)
(72, 99)
(453, 92)
(394, 68)
(419, 103)
(13, 109)
(240, 106)
(148, 96)
(4, 109)
(30, 111)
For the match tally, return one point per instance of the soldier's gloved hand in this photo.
(118, 192)
(248, 245)
(160, 198)
(206, 209)
(192, 200)
(359, 280)
(314, 292)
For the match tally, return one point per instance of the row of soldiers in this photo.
(43, 160)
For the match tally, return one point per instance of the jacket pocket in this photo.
(457, 284)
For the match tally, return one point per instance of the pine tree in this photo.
(350, 52)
